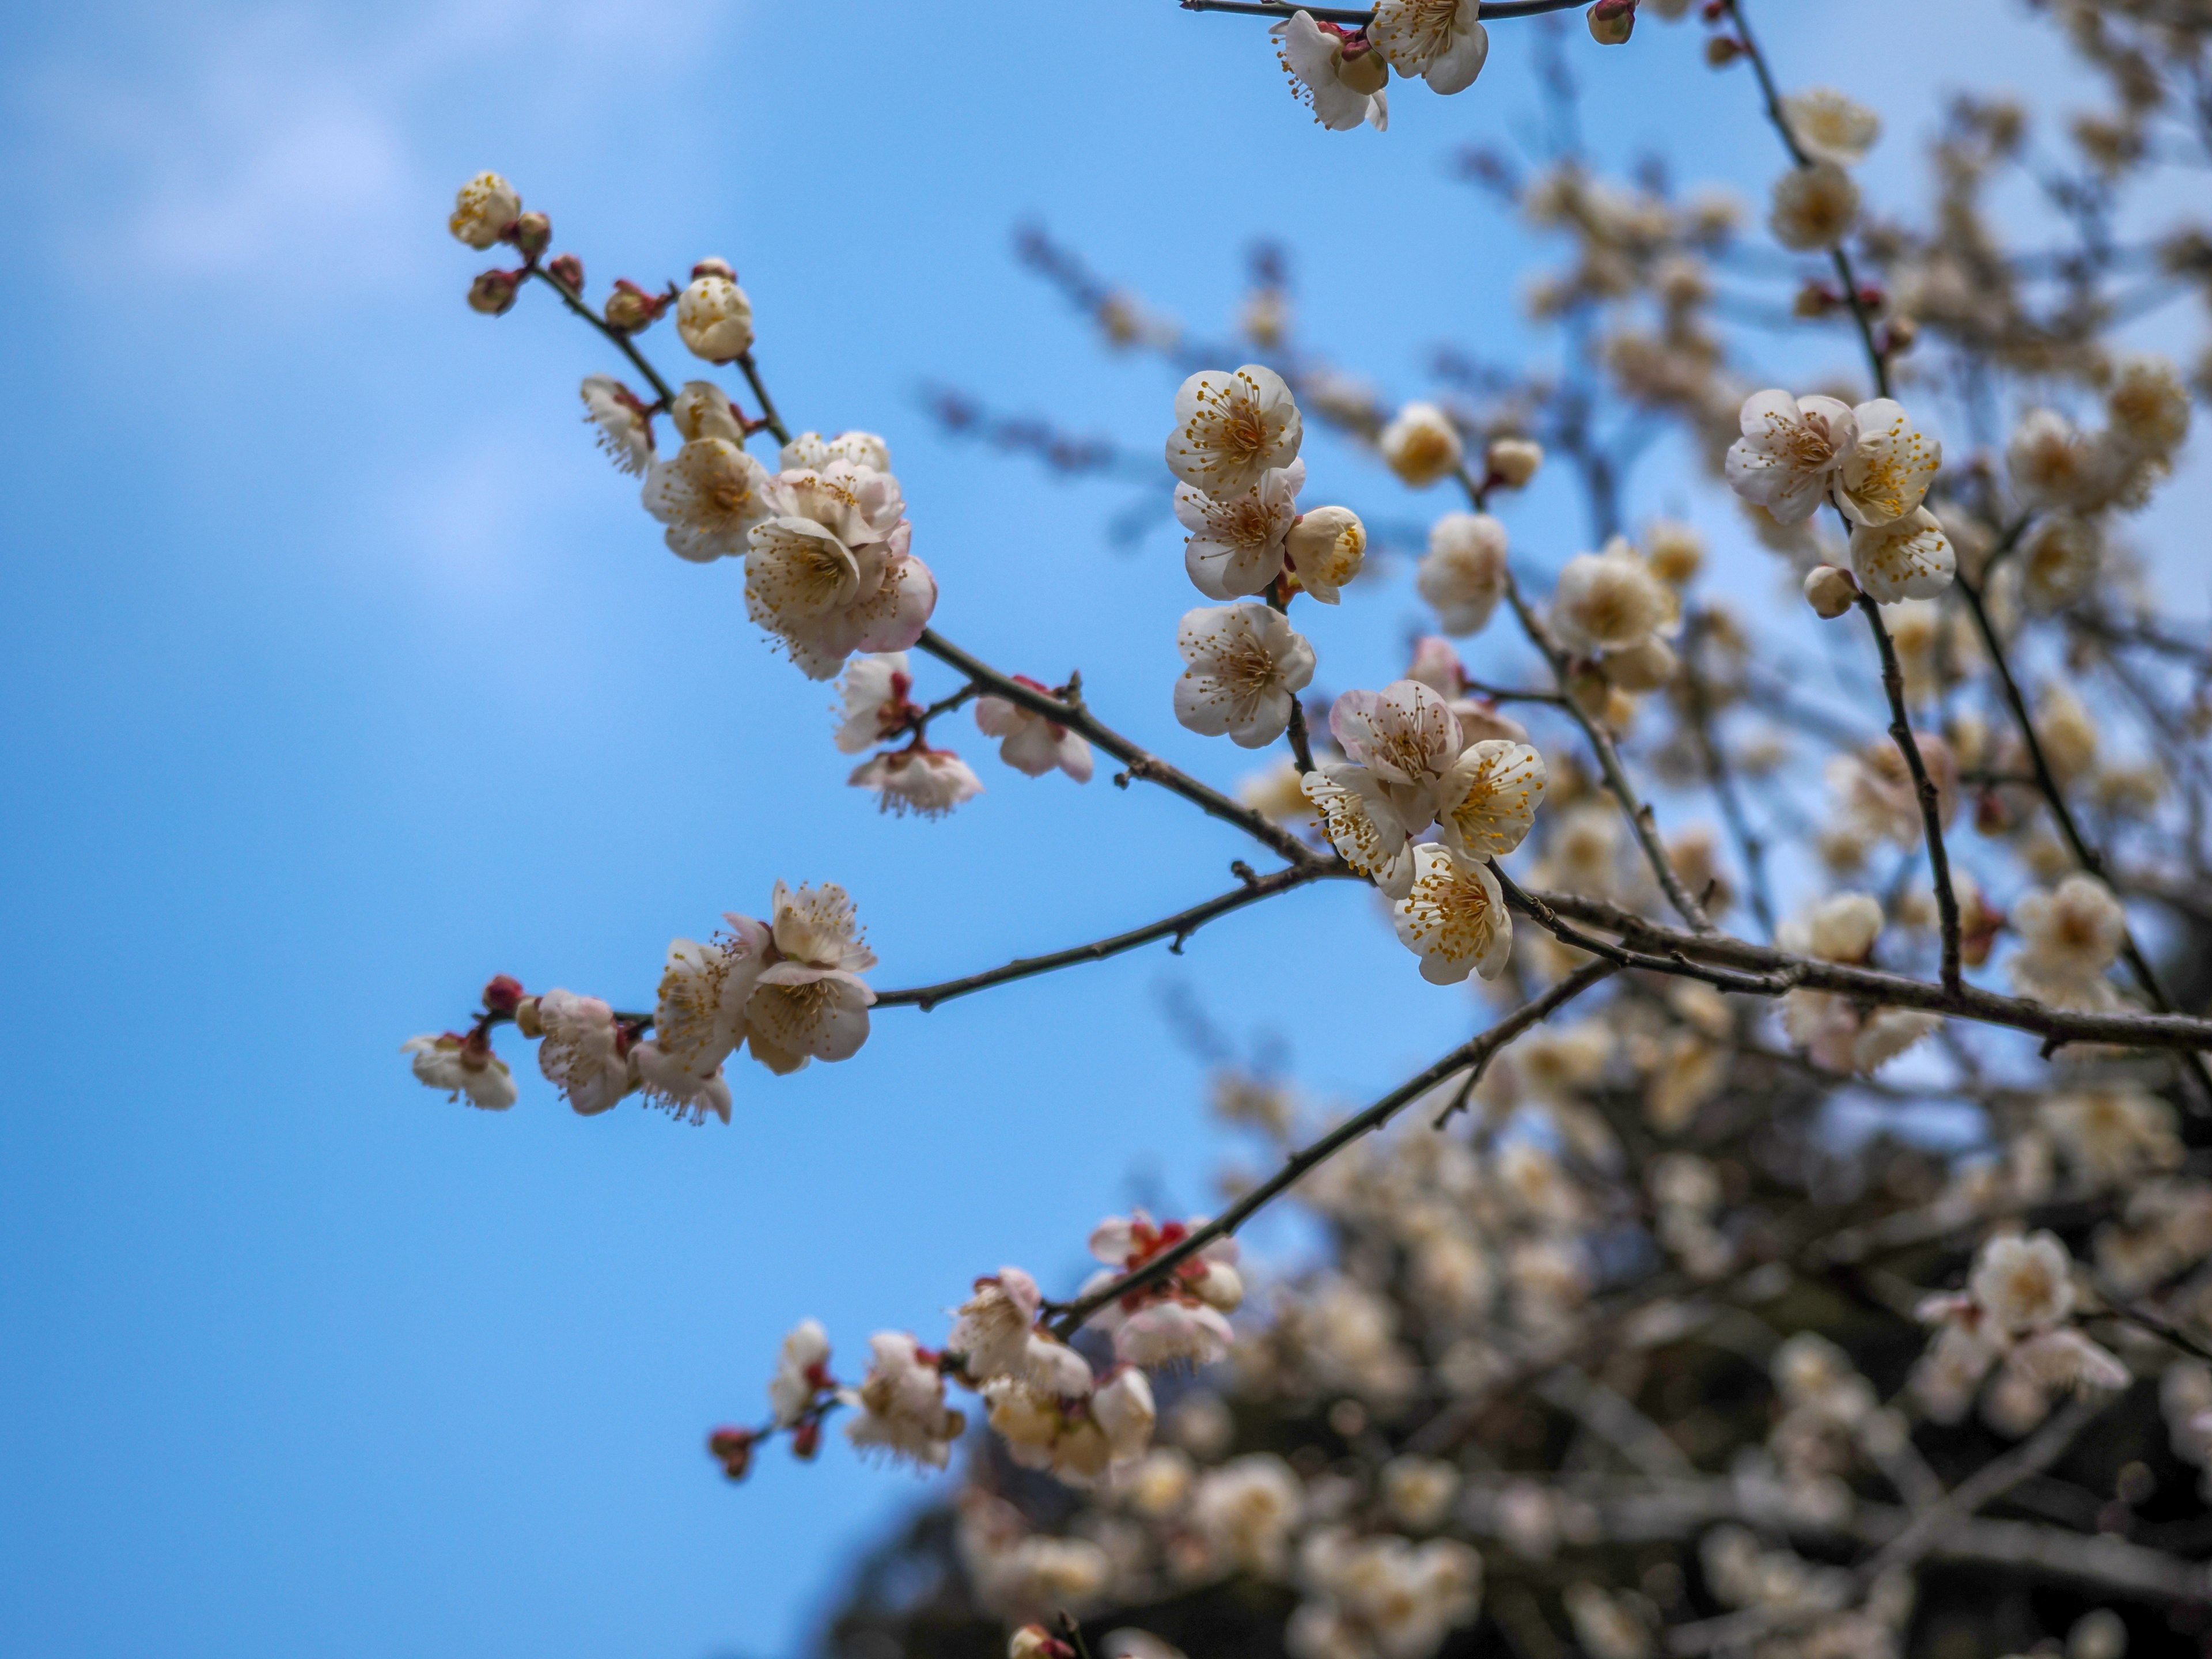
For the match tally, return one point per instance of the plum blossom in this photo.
(1357, 818)
(1439, 40)
(699, 1019)
(2053, 464)
(877, 689)
(1178, 1318)
(1888, 471)
(1815, 207)
(625, 430)
(991, 1334)
(483, 208)
(2148, 406)
(829, 570)
(463, 1064)
(1437, 666)
(810, 1002)
(711, 495)
(1831, 126)
(1326, 548)
(900, 1404)
(802, 1372)
(701, 409)
(583, 1051)
(1232, 426)
(1486, 803)
(1246, 665)
(1834, 1030)
(1611, 602)
(1407, 737)
(1421, 444)
(1237, 543)
(1463, 576)
(1032, 744)
(2018, 1296)
(1334, 71)
(1789, 453)
(712, 314)
(1059, 1417)
(2069, 936)
(1908, 558)
(809, 451)
(918, 780)
(1454, 917)
(1247, 1509)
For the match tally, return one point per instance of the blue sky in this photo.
(341, 673)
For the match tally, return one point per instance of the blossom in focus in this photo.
(1334, 72)
(809, 451)
(1486, 803)
(711, 495)
(483, 209)
(699, 1018)
(1325, 550)
(1236, 543)
(625, 430)
(1357, 818)
(1888, 471)
(1232, 426)
(877, 690)
(1439, 40)
(802, 1371)
(991, 1334)
(714, 317)
(1789, 453)
(1830, 125)
(1246, 665)
(461, 1065)
(1407, 737)
(1454, 917)
(1814, 207)
(1178, 1318)
(2069, 936)
(810, 1002)
(677, 1087)
(900, 1404)
(583, 1052)
(1421, 444)
(1032, 744)
(918, 780)
(1908, 558)
(832, 571)
(1463, 575)
(702, 410)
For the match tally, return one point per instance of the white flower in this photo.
(1835, 1032)
(1887, 473)
(483, 209)
(831, 571)
(2114, 1134)
(1512, 462)
(1841, 928)
(1232, 426)
(811, 1002)
(715, 319)
(1486, 803)
(625, 429)
(1463, 576)
(1172, 1332)
(711, 496)
(2052, 464)
(583, 1053)
(1815, 207)
(1454, 917)
(2023, 1284)
(1122, 1407)
(1247, 1509)
(1908, 558)
(1421, 444)
(1236, 543)
(1360, 822)
(876, 690)
(462, 1065)
(2067, 1359)
(1610, 601)
(701, 409)
(1246, 666)
(1419, 1491)
(678, 1087)
(809, 451)
(1325, 550)
(1830, 125)
(2147, 406)
(1178, 1318)
(1033, 744)
(1407, 737)
(992, 1333)
(2069, 935)
(802, 1370)
(902, 1404)
(1337, 74)
(2059, 559)
(1789, 453)
(700, 1015)
(926, 782)
(1438, 40)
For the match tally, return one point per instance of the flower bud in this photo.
(493, 293)
(715, 319)
(526, 1020)
(711, 267)
(503, 993)
(533, 232)
(1220, 1287)
(630, 308)
(1513, 461)
(483, 209)
(1722, 50)
(1831, 590)
(1899, 334)
(1363, 69)
(806, 1439)
(1611, 21)
(1035, 1642)
(1326, 548)
(569, 271)
(733, 1449)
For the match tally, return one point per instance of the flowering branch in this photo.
(1923, 788)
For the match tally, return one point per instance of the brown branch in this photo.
(1923, 788)
(1351, 18)
(622, 342)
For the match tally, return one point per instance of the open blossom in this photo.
(1835, 1031)
(1421, 444)
(802, 1371)
(810, 1002)
(877, 689)
(2023, 1284)
(583, 1052)
(1887, 474)
(1360, 822)
(1334, 71)
(1059, 1417)
(462, 1065)
(1463, 576)
(1178, 1318)
(2147, 406)
(1246, 666)
(1232, 426)
(1830, 125)
(1326, 548)
(1486, 803)
(2069, 936)
(483, 209)
(625, 429)
(924, 782)
(900, 1401)
(714, 317)
(831, 572)
(1454, 917)
(1387, 1596)
(809, 451)
(1908, 558)
(2053, 464)
(1439, 40)
(2059, 560)
(711, 495)
(1815, 207)
(699, 1019)
(1407, 737)
(1032, 744)
(1789, 453)
(1610, 601)
(991, 1332)
(1247, 1509)
(1237, 543)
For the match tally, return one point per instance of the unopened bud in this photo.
(502, 993)
(630, 308)
(721, 268)
(493, 293)
(1588, 686)
(1326, 547)
(1900, 334)
(806, 1439)
(527, 1022)
(715, 319)
(1035, 1642)
(1513, 461)
(733, 1449)
(533, 232)
(1829, 590)
(1363, 69)
(1611, 21)
(569, 271)
(1221, 1287)
(1722, 50)
(1714, 10)
(1815, 299)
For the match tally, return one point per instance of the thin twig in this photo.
(621, 341)
(1923, 788)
